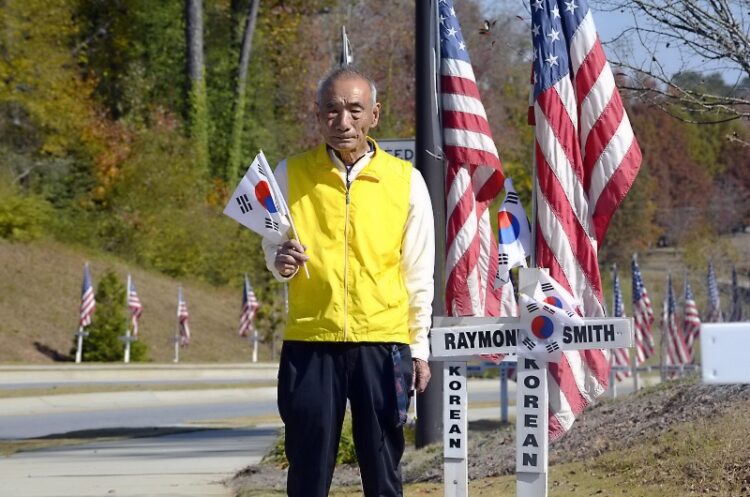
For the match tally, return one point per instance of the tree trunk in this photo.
(194, 33)
(197, 99)
(235, 151)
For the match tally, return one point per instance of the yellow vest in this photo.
(355, 292)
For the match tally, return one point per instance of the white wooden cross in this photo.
(724, 350)
(454, 340)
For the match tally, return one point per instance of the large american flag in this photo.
(675, 349)
(249, 306)
(182, 319)
(714, 314)
(134, 305)
(620, 357)
(586, 160)
(691, 321)
(474, 178)
(88, 302)
(643, 316)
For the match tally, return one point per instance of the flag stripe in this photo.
(471, 122)
(459, 85)
(575, 246)
(614, 191)
(576, 114)
(474, 178)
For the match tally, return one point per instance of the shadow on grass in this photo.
(81, 437)
(123, 433)
(53, 354)
(487, 425)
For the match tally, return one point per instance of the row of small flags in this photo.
(135, 308)
(680, 335)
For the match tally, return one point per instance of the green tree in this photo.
(197, 91)
(108, 324)
(235, 146)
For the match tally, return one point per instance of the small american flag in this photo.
(249, 306)
(88, 302)
(620, 357)
(134, 305)
(691, 321)
(474, 178)
(714, 314)
(182, 319)
(676, 352)
(736, 311)
(643, 317)
(586, 158)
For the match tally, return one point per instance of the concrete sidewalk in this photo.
(185, 465)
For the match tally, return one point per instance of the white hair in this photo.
(341, 73)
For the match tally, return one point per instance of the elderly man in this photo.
(357, 327)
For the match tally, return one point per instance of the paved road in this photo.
(185, 465)
(54, 414)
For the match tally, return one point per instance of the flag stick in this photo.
(296, 236)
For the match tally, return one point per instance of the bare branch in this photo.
(717, 31)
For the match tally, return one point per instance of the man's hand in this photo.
(420, 375)
(289, 257)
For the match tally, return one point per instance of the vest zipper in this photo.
(346, 252)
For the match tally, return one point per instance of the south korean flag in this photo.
(513, 233)
(257, 202)
(542, 324)
(551, 292)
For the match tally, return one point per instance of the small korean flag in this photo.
(513, 235)
(541, 331)
(257, 202)
(550, 291)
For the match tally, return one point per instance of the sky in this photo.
(611, 25)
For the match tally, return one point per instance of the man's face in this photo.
(346, 114)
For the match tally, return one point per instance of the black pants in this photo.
(315, 380)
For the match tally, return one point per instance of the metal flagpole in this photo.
(503, 392)
(430, 163)
(636, 379)
(128, 321)
(79, 344)
(664, 326)
(177, 329)
(612, 379)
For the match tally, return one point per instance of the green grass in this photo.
(40, 285)
(698, 458)
(701, 457)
